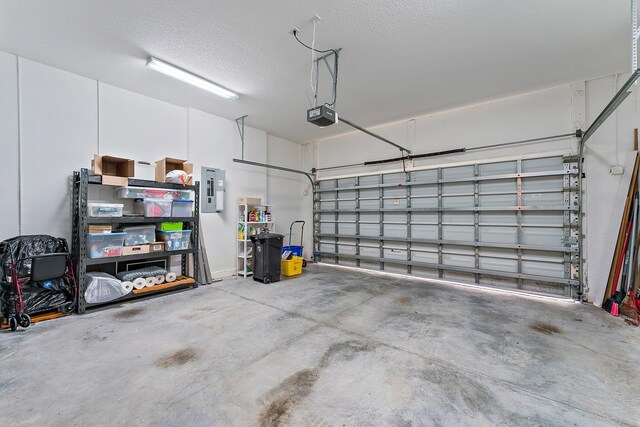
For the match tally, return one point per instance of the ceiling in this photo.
(399, 58)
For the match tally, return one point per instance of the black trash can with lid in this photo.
(267, 255)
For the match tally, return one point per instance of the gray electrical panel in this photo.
(213, 189)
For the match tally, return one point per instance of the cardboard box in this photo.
(100, 229)
(249, 201)
(156, 247)
(114, 170)
(135, 250)
(112, 166)
(145, 170)
(169, 164)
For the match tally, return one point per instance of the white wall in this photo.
(289, 188)
(553, 111)
(9, 188)
(52, 122)
(214, 142)
(58, 134)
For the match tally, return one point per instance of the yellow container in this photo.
(292, 267)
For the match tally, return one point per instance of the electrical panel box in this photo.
(213, 189)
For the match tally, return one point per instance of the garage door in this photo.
(511, 223)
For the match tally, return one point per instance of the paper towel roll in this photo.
(139, 283)
(159, 279)
(128, 286)
(171, 276)
(150, 281)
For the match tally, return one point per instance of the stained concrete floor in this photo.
(330, 348)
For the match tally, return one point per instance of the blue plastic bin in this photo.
(296, 250)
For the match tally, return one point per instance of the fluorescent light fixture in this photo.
(190, 78)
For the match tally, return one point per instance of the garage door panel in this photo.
(458, 188)
(542, 236)
(424, 190)
(458, 260)
(498, 200)
(474, 230)
(424, 175)
(423, 202)
(543, 269)
(458, 250)
(458, 172)
(370, 251)
(457, 201)
(369, 180)
(369, 217)
(458, 232)
(499, 264)
(346, 204)
(542, 183)
(505, 218)
(395, 217)
(395, 203)
(395, 230)
(498, 186)
(498, 168)
(369, 193)
(399, 254)
(542, 218)
(458, 217)
(395, 192)
(346, 182)
(424, 231)
(542, 199)
(542, 164)
(498, 234)
(347, 228)
(369, 229)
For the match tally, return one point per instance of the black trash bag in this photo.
(34, 299)
(59, 284)
(28, 246)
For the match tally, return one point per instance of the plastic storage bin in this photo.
(175, 240)
(139, 235)
(182, 208)
(292, 267)
(169, 226)
(152, 193)
(154, 208)
(104, 245)
(108, 210)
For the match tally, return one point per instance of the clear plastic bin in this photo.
(154, 208)
(175, 240)
(104, 245)
(182, 208)
(108, 210)
(139, 235)
(152, 193)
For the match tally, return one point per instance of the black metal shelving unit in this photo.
(81, 222)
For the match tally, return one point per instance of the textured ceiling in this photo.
(399, 58)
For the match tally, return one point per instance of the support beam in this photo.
(618, 99)
(240, 125)
(264, 165)
(383, 139)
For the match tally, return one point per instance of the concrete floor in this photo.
(332, 347)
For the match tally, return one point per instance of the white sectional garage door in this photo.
(511, 223)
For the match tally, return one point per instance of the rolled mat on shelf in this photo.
(159, 279)
(139, 283)
(150, 281)
(128, 286)
(171, 276)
